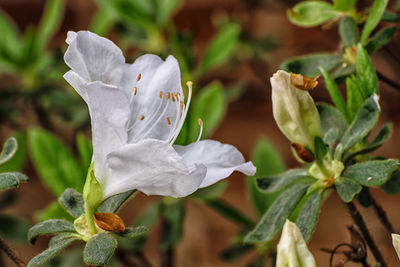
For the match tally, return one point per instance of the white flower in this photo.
(294, 109)
(137, 111)
(292, 249)
(396, 243)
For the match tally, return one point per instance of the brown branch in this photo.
(11, 253)
(381, 214)
(387, 80)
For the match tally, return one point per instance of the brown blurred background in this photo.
(248, 119)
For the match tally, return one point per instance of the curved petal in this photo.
(109, 111)
(94, 58)
(153, 167)
(77, 83)
(154, 109)
(220, 159)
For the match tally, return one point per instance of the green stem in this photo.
(89, 216)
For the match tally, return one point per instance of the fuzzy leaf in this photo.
(49, 227)
(72, 201)
(11, 179)
(277, 182)
(16, 163)
(210, 193)
(99, 249)
(371, 173)
(112, 204)
(309, 65)
(366, 74)
(349, 31)
(133, 232)
(375, 14)
(320, 148)
(347, 188)
(355, 97)
(9, 149)
(311, 13)
(392, 186)
(380, 39)
(331, 121)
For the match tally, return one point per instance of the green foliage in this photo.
(380, 39)
(72, 201)
(231, 212)
(333, 123)
(210, 193)
(347, 188)
(11, 179)
(13, 228)
(349, 31)
(49, 227)
(165, 9)
(114, 203)
(9, 149)
(311, 13)
(53, 211)
(308, 65)
(366, 74)
(355, 97)
(17, 161)
(375, 14)
(173, 214)
(280, 181)
(132, 232)
(320, 148)
(392, 186)
(344, 5)
(99, 249)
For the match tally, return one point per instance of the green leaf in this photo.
(13, 228)
(133, 232)
(166, 8)
(371, 173)
(210, 106)
(274, 218)
(54, 210)
(362, 124)
(50, 21)
(389, 16)
(366, 74)
(16, 163)
(85, 150)
(308, 214)
(9, 149)
(392, 186)
(335, 94)
(309, 65)
(134, 12)
(172, 228)
(210, 193)
(375, 14)
(235, 251)
(344, 5)
(56, 244)
(56, 165)
(332, 122)
(349, 32)
(280, 181)
(347, 188)
(380, 39)
(102, 21)
(72, 201)
(10, 47)
(311, 13)
(355, 97)
(231, 213)
(112, 204)
(320, 148)
(49, 227)
(11, 179)
(99, 249)
(222, 47)
(268, 161)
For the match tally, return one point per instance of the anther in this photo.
(138, 77)
(169, 120)
(161, 94)
(200, 122)
(141, 117)
(173, 97)
(134, 90)
(182, 105)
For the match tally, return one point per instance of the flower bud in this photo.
(294, 109)
(292, 249)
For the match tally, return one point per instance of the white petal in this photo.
(153, 167)
(220, 159)
(77, 83)
(109, 110)
(156, 76)
(94, 58)
(396, 243)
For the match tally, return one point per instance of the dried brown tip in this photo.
(109, 222)
(303, 153)
(303, 83)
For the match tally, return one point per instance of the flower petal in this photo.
(154, 109)
(220, 159)
(94, 58)
(153, 167)
(77, 83)
(109, 110)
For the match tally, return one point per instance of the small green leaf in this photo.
(371, 173)
(102, 21)
(54, 210)
(389, 16)
(308, 214)
(85, 150)
(309, 65)
(9, 149)
(133, 232)
(333, 122)
(50, 21)
(278, 182)
(165, 9)
(349, 31)
(366, 74)
(344, 5)
(362, 124)
(72, 201)
(137, 13)
(380, 39)
(10, 47)
(274, 218)
(311, 13)
(392, 186)
(99, 249)
(11, 179)
(355, 97)
(16, 163)
(320, 148)
(347, 188)
(210, 193)
(172, 229)
(230, 212)
(375, 14)
(49, 227)
(114, 203)
(13, 228)
(56, 244)
(222, 47)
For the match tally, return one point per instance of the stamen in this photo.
(200, 122)
(168, 94)
(182, 105)
(138, 77)
(141, 117)
(169, 120)
(134, 90)
(161, 94)
(173, 97)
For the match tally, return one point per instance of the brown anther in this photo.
(169, 120)
(200, 122)
(138, 77)
(168, 95)
(182, 105)
(141, 117)
(303, 153)
(178, 96)
(109, 222)
(173, 97)
(303, 83)
(134, 90)
(161, 94)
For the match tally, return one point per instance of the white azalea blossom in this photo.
(292, 249)
(137, 111)
(294, 110)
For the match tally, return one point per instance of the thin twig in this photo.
(167, 257)
(381, 214)
(359, 221)
(387, 80)
(11, 253)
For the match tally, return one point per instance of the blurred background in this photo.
(33, 93)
